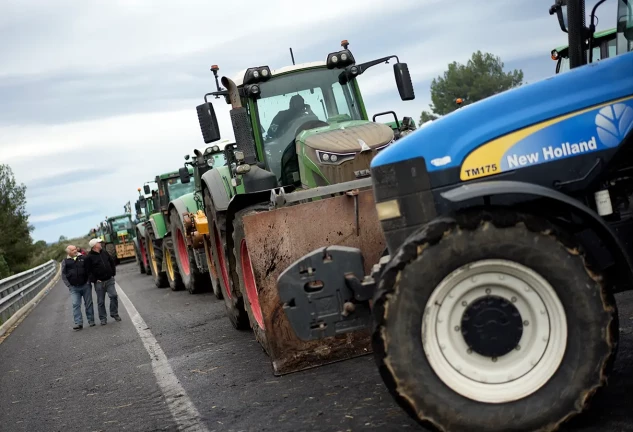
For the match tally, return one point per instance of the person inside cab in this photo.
(282, 119)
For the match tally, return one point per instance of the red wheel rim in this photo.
(182, 252)
(143, 255)
(250, 285)
(220, 252)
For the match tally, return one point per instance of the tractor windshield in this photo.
(298, 101)
(121, 224)
(625, 26)
(176, 189)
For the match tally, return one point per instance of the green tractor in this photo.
(161, 231)
(195, 223)
(119, 236)
(297, 177)
(144, 207)
(604, 46)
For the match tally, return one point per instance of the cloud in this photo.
(99, 96)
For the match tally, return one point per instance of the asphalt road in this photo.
(101, 378)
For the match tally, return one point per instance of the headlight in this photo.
(334, 158)
(210, 162)
(256, 74)
(340, 59)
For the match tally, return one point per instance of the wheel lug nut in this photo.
(526, 323)
(464, 303)
(494, 359)
(469, 351)
(518, 348)
(488, 291)
(456, 328)
(513, 299)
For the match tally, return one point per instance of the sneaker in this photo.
(78, 327)
(117, 318)
(92, 324)
(104, 322)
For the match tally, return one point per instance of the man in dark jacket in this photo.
(75, 277)
(101, 269)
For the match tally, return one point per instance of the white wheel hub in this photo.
(541, 341)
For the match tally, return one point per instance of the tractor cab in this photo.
(171, 187)
(203, 161)
(121, 227)
(604, 46)
(307, 123)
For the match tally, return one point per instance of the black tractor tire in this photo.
(142, 241)
(406, 311)
(139, 259)
(245, 278)
(193, 279)
(155, 262)
(111, 249)
(214, 271)
(233, 301)
(213, 274)
(173, 276)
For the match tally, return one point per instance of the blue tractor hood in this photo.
(559, 109)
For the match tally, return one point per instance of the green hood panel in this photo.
(347, 136)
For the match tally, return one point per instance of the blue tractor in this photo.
(509, 227)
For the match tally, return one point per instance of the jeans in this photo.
(101, 288)
(76, 294)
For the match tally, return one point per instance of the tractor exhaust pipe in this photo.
(241, 127)
(234, 94)
(576, 31)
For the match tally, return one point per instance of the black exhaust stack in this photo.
(577, 32)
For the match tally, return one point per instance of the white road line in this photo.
(182, 408)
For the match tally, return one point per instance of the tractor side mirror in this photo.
(560, 9)
(137, 206)
(208, 122)
(184, 175)
(142, 203)
(403, 81)
(146, 189)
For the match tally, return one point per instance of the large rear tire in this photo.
(142, 243)
(213, 273)
(173, 276)
(111, 249)
(245, 277)
(496, 322)
(139, 258)
(233, 301)
(155, 260)
(193, 280)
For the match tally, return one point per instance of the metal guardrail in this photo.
(17, 290)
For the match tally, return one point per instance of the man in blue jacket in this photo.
(102, 270)
(75, 277)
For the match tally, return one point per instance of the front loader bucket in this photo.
(277, 238)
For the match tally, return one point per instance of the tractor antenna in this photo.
(292, 56)
(215, 70)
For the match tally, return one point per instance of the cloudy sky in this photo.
(98, 96)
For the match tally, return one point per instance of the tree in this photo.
(15, 232)
(481, 77)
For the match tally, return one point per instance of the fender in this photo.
(157, 222)
(213, 181)
(141, 230)
(558, 199)
(184, 204)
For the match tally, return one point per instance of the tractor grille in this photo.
(347, 170)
